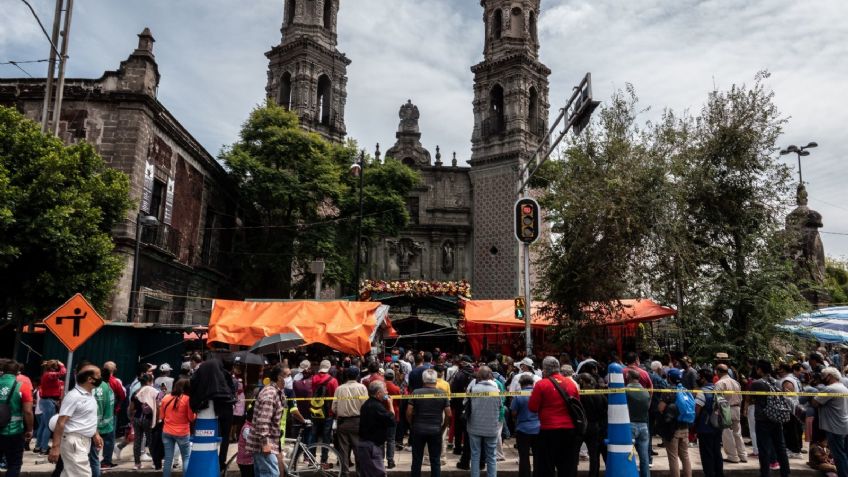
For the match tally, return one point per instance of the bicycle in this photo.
(305, 460)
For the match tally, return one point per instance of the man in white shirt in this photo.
(526, 367)
(76, 427)
(164, 381)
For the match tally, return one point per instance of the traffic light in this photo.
(519, 308)
(527, 221)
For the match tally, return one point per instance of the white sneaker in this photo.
(145, 457)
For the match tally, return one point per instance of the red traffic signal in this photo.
(527, 220)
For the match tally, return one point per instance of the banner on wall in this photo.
(169, 201)
(147, 187)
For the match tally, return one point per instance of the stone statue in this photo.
(409, 117)
(364, 251)
(806, 249)
(447, 257)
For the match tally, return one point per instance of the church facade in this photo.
(461, 223)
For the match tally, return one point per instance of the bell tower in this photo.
(510, 119)
(306, 72)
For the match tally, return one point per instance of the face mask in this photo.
(98, 382)
(82, 378)
(395, 358)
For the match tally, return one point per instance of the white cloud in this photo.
(211, 57)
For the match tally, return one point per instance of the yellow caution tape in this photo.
(587, 392)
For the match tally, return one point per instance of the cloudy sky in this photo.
(211, 57)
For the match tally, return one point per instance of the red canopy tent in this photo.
(492, 323)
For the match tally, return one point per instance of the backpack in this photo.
(318, 405)
(721, 417)
(575, 410)
(685, 403)
(777, 408)
(6, 408)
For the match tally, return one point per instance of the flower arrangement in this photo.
(417, 288)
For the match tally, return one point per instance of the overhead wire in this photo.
(44, 30)
(20, 68)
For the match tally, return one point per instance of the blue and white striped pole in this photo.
(620, 461)
(203, 461)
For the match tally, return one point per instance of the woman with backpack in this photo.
(677, 412)
(142, 412)
(177, 416)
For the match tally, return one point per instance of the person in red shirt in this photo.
(51, 389)
(558, 444)
(631, 360)
(323, 385)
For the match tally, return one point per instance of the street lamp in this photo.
(357, 169)
(800, 151)
(142, 220)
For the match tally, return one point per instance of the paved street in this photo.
(38, 466)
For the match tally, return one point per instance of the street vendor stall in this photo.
(349, 327)
(491, 324)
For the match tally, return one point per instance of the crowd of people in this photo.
(370, 409)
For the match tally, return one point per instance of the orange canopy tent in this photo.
(349, 327)
(493, 321)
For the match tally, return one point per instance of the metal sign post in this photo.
(578, 110)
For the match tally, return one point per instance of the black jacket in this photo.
(211, 382)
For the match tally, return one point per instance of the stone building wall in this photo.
(134, 133)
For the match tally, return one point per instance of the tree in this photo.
(836, 280)
(297, 198)
(58, 205)
(687, 211)
(601, 200)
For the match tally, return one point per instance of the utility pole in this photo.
(63, 59)
(51, 66)
(578, 110)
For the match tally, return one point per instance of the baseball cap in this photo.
(466, 358)
(305, 364)
(324, 366)
(165, 367)
(675, 374)
(527, 362)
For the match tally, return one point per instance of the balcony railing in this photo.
(493, 126)
(163, 237)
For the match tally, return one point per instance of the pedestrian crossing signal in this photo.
(519, 308)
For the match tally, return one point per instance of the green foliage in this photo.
(687, 211)
(300, 203)
(836, 280)
(58, 206)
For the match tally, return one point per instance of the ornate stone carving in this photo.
(409, 117)
(447, 257)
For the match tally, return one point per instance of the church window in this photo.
(496, 98)
(291, 8)
(324, 91)
(286, 90)
(328, 14)
(533, 33)
(533, 113)
(497, 24)
(516, 24)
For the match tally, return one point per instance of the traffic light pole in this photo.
(528, 335)
(578, 110)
